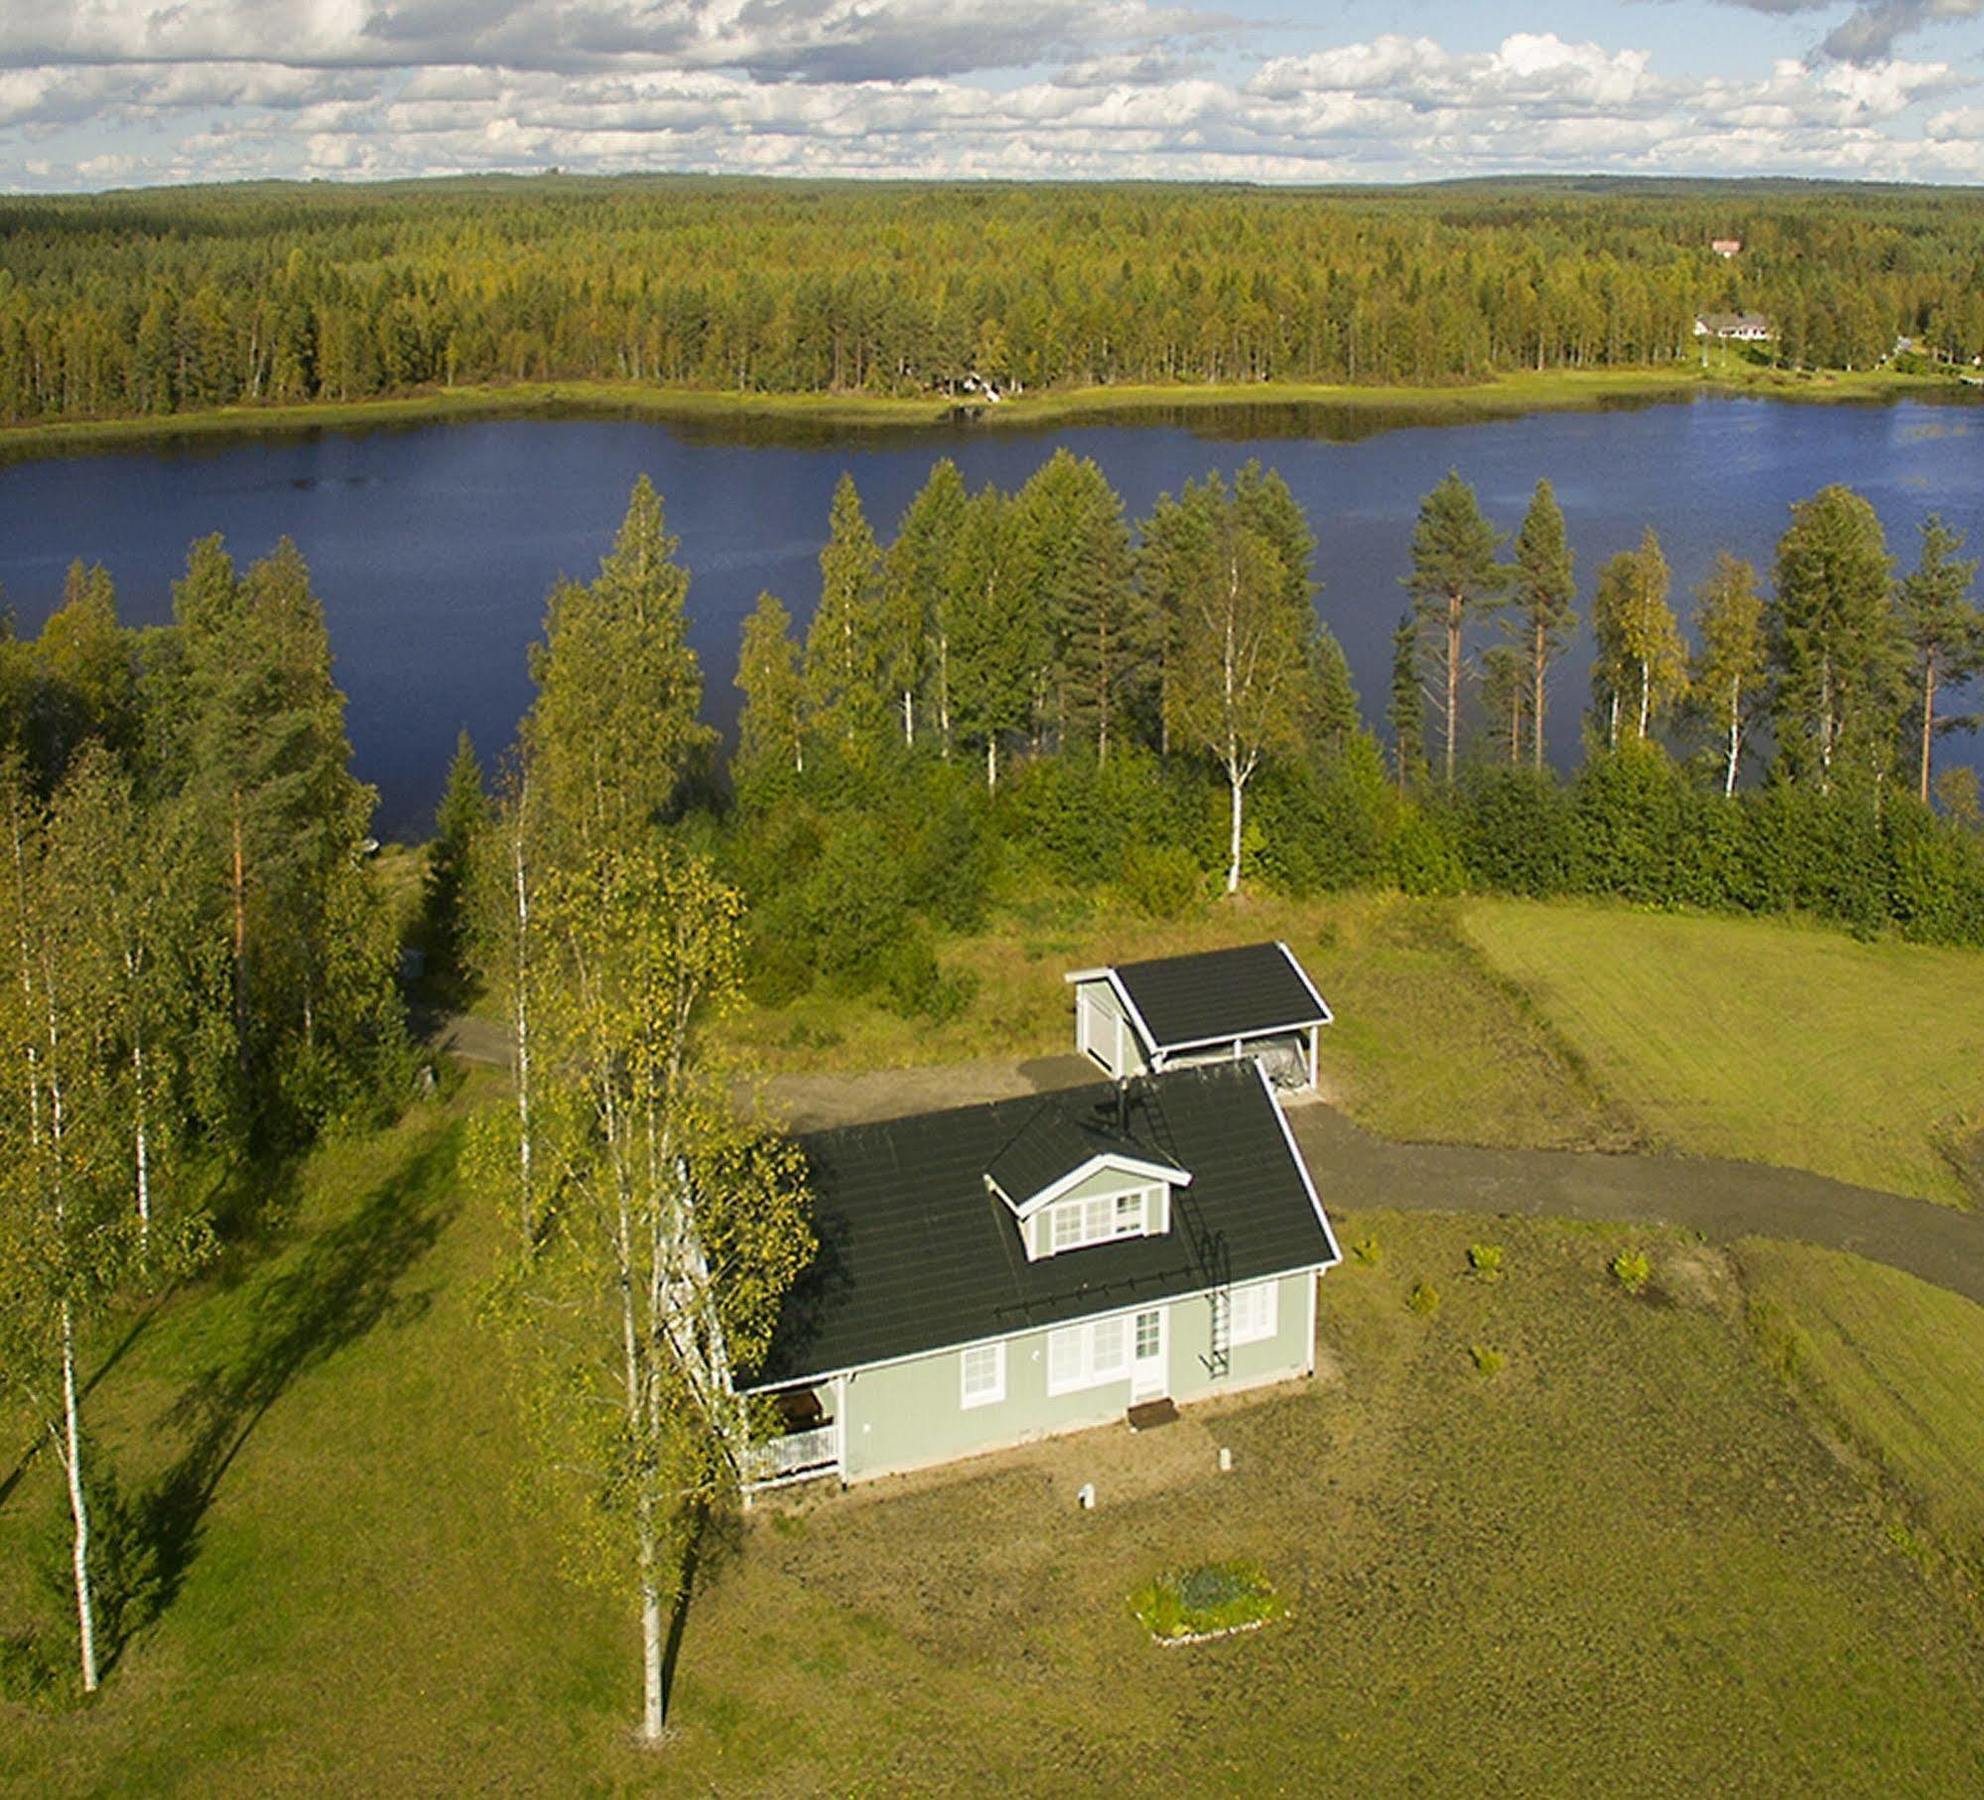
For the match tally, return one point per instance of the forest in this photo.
(142, 304)
(1010, 694)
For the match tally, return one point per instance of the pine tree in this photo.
(1333, 718)
(1454, 577)
(1730, 665)
(845, 645)
(1944, 631)
(1545, 589)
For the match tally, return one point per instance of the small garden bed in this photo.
(1212, 1601)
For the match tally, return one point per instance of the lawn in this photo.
(1895, 1364)
(1772, 1041)
(1623, 1558)
(1429, 1043)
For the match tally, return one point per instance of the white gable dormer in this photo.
(1068, 1188)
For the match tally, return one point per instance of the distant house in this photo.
(1254, 1000)
(1736, 328)
(993, 1274)
(1726, 247)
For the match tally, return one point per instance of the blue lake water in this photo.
(434, 547)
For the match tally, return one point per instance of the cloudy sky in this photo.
(112, 93)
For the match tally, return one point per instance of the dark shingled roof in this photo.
(1054, 1140)
(1220, 994)
(915, 1254)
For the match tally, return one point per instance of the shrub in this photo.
(914, 987)
(1486, 1261)
(1211, 1599)
(1161, 881)
(1632, 1270)
(1486, 1360)
(1367, 1251)
(1424, 1299)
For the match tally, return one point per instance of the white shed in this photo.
(1251, 1000)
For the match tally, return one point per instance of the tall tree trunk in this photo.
(652, 1718)
(992, 762)
(1928, 717)
(1539, 661)
(908, 719)
(1237, 783)
(944, 691)
(521, 1029)
(140, 1148)
(1612, 722)
(1646, 697)
(1454, 617)
(79, 1511)
(1735, 737)
(238, 896)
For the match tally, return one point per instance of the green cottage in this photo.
(999, 1273)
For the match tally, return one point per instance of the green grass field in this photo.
(1429, 1043)
(1624, 1556)
(1767, 1040)
(1894, 1363)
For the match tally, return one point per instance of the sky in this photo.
(120, 93)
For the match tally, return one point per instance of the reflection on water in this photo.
(434, 545)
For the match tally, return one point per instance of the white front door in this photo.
(1150, 1369)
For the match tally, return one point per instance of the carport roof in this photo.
(1215, 996)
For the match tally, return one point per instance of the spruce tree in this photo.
(771, 728)
(458, 820)
(995, 631)
(915, 637)
(1405, 707)
(1834, 644)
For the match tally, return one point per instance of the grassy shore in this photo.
(1378, 407)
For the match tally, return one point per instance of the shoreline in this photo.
(1374, 408)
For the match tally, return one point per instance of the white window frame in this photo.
(1101, 1219)
(981, 1393)
(1095, 1353)
(1254, 1312)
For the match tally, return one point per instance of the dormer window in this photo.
(1074, 1181)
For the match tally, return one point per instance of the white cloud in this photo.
(214, 89)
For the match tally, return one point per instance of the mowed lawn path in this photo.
(1761, 1040)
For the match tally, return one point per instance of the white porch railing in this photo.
(794, 1457)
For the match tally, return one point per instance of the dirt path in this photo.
(1357, 1172)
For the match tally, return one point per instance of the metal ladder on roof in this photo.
(1216, 1265)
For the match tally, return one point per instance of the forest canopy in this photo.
(150, 303)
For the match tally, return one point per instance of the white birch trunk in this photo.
(908, 719)
(992, 762)
(140, 1148)
(79, 1512)
(1237, 784)
(1735, 737)
(521, 1030)
(1646, 696)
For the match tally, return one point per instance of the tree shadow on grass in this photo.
(329, 1294)
(715, 1535)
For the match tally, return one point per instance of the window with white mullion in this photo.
(982, 1375)
(1088, 1355)
(1254, 1313)
(1100, 1219)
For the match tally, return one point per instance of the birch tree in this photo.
(679, 1226)
(1454, 578)
(845, 648)
(1730, 664)
(1944, 632)
(1641, 667)
(1238, 685)
(995, 628)
(916, 626)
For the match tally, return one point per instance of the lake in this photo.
(434, 547)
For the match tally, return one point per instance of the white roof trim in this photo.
(1103, 1159)
(1152, 1048)
(1301, 1166)
(1019, 1331)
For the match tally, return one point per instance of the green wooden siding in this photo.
(906, 1415)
